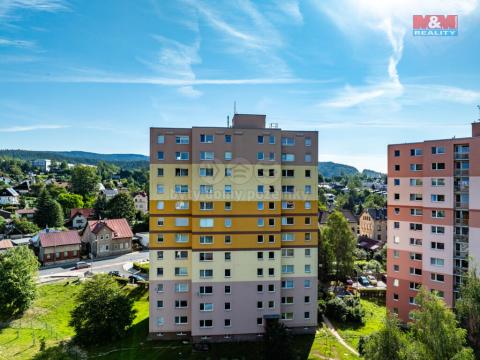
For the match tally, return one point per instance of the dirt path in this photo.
(334, 332)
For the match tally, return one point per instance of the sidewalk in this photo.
(334, 332)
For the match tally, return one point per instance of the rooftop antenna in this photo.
(235, 107)
(478, 107)
(228, 121)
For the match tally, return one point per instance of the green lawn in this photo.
(48, 318)
(375, 313)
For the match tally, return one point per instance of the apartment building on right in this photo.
(433, 218)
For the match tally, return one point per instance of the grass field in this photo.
(374, 316)
(48, 318)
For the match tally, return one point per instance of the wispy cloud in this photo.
(25, 44)
(7, 7)
(291, 8)
(14, 129)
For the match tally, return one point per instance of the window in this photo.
(181, 304)
(206, 307)
(308, 268)
(396, 267)
(288, 269)
(259, 304)
(416, 152)
(438, 230)
(260, 189)
(206, 222)
(287, 315)
(160, 172)
(160, 288)
(415, 256)
(227, 322)
(437, 277)
(416, 226)
(415, 242)
(227, 289)
(308, 141)
(397, 167)
(206, 256)
(228, 139)
(181, 320)
(228, 272)
(161, 139)
(181, 172)
(271, 139)
(438, 198)
(438, 214)
(308, 157)
(415, 286)
(206, 323)
(416, 197)
(288, 173)
(288, 252)
(288, 141)
(271, 172)
(181, 238)
(416, 182)
(181, 221)
(160, 155)
(260, 222)
(181, 271)
(288, 236)
(415, 271)
(228, 205)
(437, 262)
(160, 222)
(308, 173)
(181, 287)
(182, 139)
(182, 155)
(205, 172)
(207, 155)
(206, 205)
(287, 300)
(259, 321)
(228, 172)
(228, 155)
(288, 189)
(396, 182)
(228, 189)
(260, 288)
(396, 254)
(206, 290)
(228, 239)
(260, 139)
(396, 196)
(227, 222)
(396, 225)
(206, 189)
(206, 138)
(437, 245)
(159, 271)
(288, 157)
(288, 220)
(260, 205)
(206, 273)
(436, 150)
(259, 272)
(260, 155)
(287, 284)
(206, 239)
(308, 236)
(160, 238)
(288, 205)
(308, 205)
(160, 205)
(160, 189)
(307, 221)
(271, 222)
(308, 189)
(260, 238)
(416, 167)
(181, 205)
(227, 256)
(181, 189)
(438, 166)
(396, 153)
(438, 182)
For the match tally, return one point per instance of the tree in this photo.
(49, 212)
(375, 201)
(468, 308)
(2, 225)
(18, 276)
(121, 206)
(339, 243)
(100, 207)
(277, 341)
(70, 201)
(385, 343)
(84, 180)
(104, 312)
(24, 226)
(435, 329)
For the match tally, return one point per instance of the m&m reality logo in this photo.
(435, 25)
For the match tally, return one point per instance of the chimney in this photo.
(476, 129)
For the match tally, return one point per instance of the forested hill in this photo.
(123, 160)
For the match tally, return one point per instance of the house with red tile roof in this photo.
(107, 237)
(26, 213)
(79, 217)
(5, 245)
(56, 247)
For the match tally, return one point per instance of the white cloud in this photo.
(14, 129)
(189, 91)
(7, 7)
(17, 43)
(291, 8)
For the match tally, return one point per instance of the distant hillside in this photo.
(75, 157)
(330, 169)
(372, 173)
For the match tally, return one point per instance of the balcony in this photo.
(461, 172)
(461, 255)
(461, 205)
(461, 238)
(463, 222)
(461, 188)
(461, 156)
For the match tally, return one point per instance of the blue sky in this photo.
(95, 75)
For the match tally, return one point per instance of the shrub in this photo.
(347, 309)
(143, 267)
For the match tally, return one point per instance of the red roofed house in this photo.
(107, 237)
(59, 247)
(5, 245)
(79, 217)
(26, 213)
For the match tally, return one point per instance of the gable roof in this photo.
(8, 192)
(377, 214)
(351, 218)
(88, 213)
(5, 244)
(119, 227)
(49, 239)
(25, 211)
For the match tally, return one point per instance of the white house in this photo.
(141, 202)
(9, 196)
(110, 193)
(42, 164)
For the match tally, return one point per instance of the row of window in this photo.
(438, 262)
(435, 229)
(208, 273)
(228, 222)
(210, 138)
(419, 167)
(419, 182)
(208, 189)
(436, 150)
(436, 214)
(208, 323)
(228, 155)
(209, 205)
(209, 172)
(208, 256)
(209, 239)
(419, 197)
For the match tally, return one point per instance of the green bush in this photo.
(347, 309)
(143, 267)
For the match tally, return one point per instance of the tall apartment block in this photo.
(233, 230)
(433, 218)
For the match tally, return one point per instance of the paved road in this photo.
(119, 263)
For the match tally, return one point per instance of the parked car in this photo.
(363, 281)
(372, 280)
(114, 273)
(135, 278)
(82, 265)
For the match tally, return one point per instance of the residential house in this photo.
(26, 213)
(9, 196)
(23, 187)
(141, 202)
(351, 218)
(79, 217)
(42, 164)
(5, 179)
(5, 214)
(109, 193)
(59, 247)
(107, 237)
(5, 245)
(373, 224)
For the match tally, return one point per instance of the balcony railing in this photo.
(461, 172)
(461, 238)
(461, 156)
(461, 222)
(461, 205)
(461, 188)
